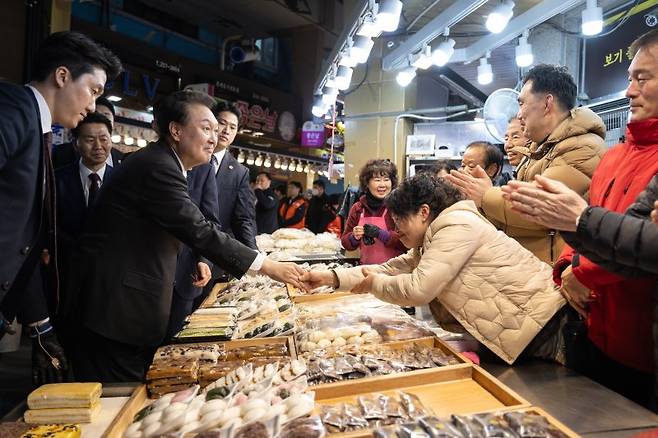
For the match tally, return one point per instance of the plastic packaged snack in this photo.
(468, 426)
(332, 418)
(391, 406)
(371, 407)
(310, 427)
(413, 406)
(412, 430)
(438, 428)
(531, 425)
(353, 417)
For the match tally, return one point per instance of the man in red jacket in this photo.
(619, 311)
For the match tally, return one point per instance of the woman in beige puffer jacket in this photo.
(497, 290)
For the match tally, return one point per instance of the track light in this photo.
(259, 160)
(388, 15)
(361, 48)
(307, 168)
(128, 140)
(299, 167)
(343, 77)
(277, 163)
(592, 16)
(369, 28)
(485, 74)
(329, 95)
(524, 57)
(267, 162)
(423, 60)
(114, 98)
(404, 77)
(312, 170)
(500, 16)
(346, 59)
(444, 52)
(141, 142)
(241, 157)
(292, 165)
(116, 138)
(250, 159)
(284, 165)
(319, 107)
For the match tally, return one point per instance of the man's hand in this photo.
(357, 232)
(49, 364)
(314, 279)
(472, 186)
(654, 213)
(576, 293)
(547, 202)
(284, 272)
(366, 284)
(202, 275)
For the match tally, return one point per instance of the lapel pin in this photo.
(230, 166)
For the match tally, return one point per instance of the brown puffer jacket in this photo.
(570, 155)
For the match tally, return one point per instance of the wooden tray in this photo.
(297, 296)
(125, 416)
(212, 297)
(429, 341)
(458, 389)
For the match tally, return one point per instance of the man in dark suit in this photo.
(69, 73)
(192, 270)
(79, 182)
(65, 153)
(267, 204)
(118, 304)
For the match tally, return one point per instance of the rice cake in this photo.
(65, 395)
(63, 415)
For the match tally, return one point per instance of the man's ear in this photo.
(175, 131)
(492, 170)
(61, 75)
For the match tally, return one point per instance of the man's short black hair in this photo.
(104, 101)
(222, 107)
(266, 174)
(281, 188)
(92, 118)
(555, 80)
(319, 183)
(441, 165)
(75, 51)
(296, 184)
(645, 40)
(174, 108)
(492, 155)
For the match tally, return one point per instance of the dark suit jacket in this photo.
(267, 211)
(65, 154)
(237, 212)
(23, 218)
(126, 258)
(203, 192)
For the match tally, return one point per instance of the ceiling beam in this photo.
(545, 10)
(449, 17)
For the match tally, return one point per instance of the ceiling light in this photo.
(128, 140)
(485, 74)
(116, 138)
(277, 163)
(346, 59)
(500, 16)
(423, 60)
(291, 165)
(369, 28)
(299, 167)
(329, 95)
(312, 170)
(250, 159)
(114, 98)
(524, 57)
(259, 160)
(592, 23)
(319, 107)
(241, 157)
(388, 15)
(343, 77)
(268, 162)
(444, 52)
(361, 48)
(141, 142)
(404, 77)
(284, 165)
(307, 168)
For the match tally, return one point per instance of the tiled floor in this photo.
(15, 380)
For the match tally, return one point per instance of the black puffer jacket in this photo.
(626, 244)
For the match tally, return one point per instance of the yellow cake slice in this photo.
(54, 431)
(62, 415)
(65, 395)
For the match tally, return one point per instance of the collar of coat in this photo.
(460, 208)
(643, 133)
(579, 122)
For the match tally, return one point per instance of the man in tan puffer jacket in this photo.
(567, 145)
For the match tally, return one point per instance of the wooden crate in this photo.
(458, 389)
(297, 296)
(124, 418)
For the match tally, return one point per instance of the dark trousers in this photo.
(587, 359)
(180, 309)
(96, 358)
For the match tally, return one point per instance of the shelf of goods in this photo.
(288, 244)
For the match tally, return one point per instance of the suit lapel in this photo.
(75, 182)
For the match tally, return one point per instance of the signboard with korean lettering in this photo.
(607, 58)
(312, 134)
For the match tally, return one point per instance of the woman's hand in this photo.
(314, 279)
(366, 284)
(358, 232)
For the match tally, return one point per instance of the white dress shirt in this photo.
(84, 178)
(109, 161)
(44, 111)
(257, 264)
